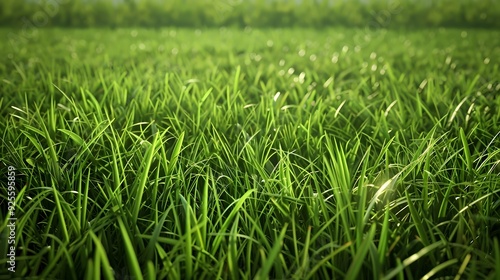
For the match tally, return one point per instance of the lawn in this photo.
(250, 154)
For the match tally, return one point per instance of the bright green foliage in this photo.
(252, 154)
(254, 13)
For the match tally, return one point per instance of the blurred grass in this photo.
(371, 14)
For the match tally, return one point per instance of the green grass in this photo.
(253, 154)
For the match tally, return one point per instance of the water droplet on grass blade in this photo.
(422, 85)
(191, 81)
(328, 82)
(276, 96)
(61, 106)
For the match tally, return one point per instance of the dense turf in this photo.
(226, 154)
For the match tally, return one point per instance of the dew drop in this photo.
(276, 96)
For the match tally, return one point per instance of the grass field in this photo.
(263, 154)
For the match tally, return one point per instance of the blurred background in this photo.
(253, 13)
